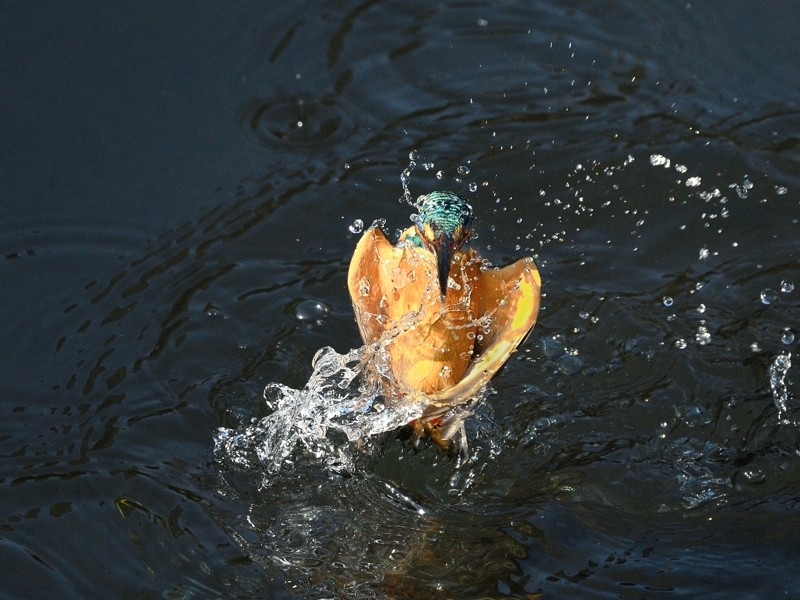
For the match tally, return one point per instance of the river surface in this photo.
(182, 186)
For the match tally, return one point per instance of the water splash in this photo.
(344, 395)
(777, 381)
(405, 177)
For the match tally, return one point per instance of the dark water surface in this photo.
(178, 182)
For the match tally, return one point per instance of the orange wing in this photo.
(509, 301)
(396, 298)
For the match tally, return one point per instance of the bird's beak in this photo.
(443, 248)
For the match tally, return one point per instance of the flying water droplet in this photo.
(703, 253)
(463, 170)
(439, 174)
(356, 226)
(680, 343)
(787, 336)
(701, 308)
(702, 336)
(786, 286)
(473, 187)
(668, 301)
(583, 314)
(768, 296)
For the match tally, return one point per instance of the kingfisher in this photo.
(447, 318)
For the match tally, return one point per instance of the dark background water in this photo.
(166, 221)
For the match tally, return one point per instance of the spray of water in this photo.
(777, 381)
(343, 401)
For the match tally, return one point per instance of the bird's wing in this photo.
(510, 298)
(365, 283)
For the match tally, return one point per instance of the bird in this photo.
(446, 317)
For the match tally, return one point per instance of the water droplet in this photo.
(463, 170)
(413, 155)
(583, 314)
(780, 190)
(787, 336)
(357, 226)
(439, 174)
(595, 319)
(657, 160)
(363, 287)
(445, 372)
(768, 296)
(311, 310)
(786, 286)
(213, 311)
(473, 187)
(701, 308)
(703, 253)
(680, 343)
(702, 336)
(482, 22)
(755, 347)
(693, 182)
(668, 301)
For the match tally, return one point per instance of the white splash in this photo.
(344, 394)
(777, 381)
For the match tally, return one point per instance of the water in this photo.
(178, 205)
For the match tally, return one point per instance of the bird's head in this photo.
(443, 224)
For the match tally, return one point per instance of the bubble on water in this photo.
(445, 372)
(787, 286)
(702, 336)
(777, 381)
(553, 345)
(768, 296)
(311, 310)
(693, 182)
(680, 343)
(463, 170)
(703, 253)
(668, 301)
(787, 335)
(356, 226)
(569, 364)
(583, 314)
(753, 476)
(473, 187)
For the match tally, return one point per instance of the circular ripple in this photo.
(302, 121)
